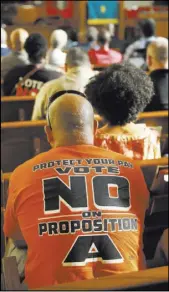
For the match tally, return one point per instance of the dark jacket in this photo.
(160, 99)
(32, 85)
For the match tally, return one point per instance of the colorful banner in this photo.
(103, 12)
(63, 9)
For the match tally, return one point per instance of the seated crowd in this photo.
(77, 211)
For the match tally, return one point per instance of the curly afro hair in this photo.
(120, 93)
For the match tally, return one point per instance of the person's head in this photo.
(120, 93)
(3, 36)
(58, 39)
(36, 48)
(18, 38)
(70, 119)
(147, 27)
(76, 57)
(72, 35)
(92, 34)
(157, 54)
(104, 37)
(111, 28)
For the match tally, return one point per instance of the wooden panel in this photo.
(149, 162)
(25, 124)
(117, 282)
(16, 98)
(20, 142)
(15, 109)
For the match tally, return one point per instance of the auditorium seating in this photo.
(14, 108)
(155, 119)
(149, 168)
(156, 220)
(20, 142)
(146, 280)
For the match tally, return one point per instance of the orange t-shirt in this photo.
(81, 212)
(137, 147)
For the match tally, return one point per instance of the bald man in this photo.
(157, 61)
(18, 56)
(77, 206)
(58, 41)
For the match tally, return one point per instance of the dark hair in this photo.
(147, 26)
(104, 37)
(120, 92)
(36, 47)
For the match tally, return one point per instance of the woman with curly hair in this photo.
(119, 94)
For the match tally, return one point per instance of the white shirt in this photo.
(56, 57)
(140, 44)
(75, 79)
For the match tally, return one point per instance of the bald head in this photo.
(157, 54)
(18, 38)
(72, 120)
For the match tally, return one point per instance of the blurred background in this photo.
(45, 16)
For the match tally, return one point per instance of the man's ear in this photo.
(96, 125)
(49, 135)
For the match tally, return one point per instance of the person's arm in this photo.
(130, 50)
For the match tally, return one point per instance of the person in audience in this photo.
(157, 61)
(91, 39)
(104, 55)
(119, 94)
(78, 72)
(4, 47)
(28, 79)
(147, 30)
(58, 41)
(18, 56)
(72, 39)
(63, 206)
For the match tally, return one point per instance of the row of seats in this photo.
(147, 280)
(15, 108)
(23, 140)
(20, 142)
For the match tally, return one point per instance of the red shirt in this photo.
(104, 56)
(81, 212)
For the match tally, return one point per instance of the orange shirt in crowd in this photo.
(141, 146)
(81, 212)
(104, 56)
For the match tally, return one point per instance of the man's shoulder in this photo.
(52, 84)
(51, 72)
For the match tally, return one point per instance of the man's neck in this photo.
(70, 140)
